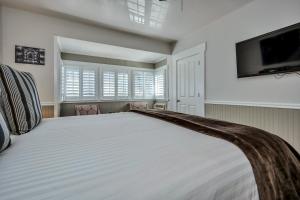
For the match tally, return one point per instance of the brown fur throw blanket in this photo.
(276, 165)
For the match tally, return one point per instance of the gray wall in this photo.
(67, 109)
(160, 64)
(279, 121)
(93, 59)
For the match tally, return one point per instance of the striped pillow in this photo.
(4, 134)
(20, 100)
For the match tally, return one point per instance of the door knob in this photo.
(178, 100)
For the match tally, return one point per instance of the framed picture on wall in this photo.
(29, 55)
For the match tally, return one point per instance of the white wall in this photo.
(256, 18)
(0, 36)
(29, 29)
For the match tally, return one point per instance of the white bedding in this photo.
(122, 156)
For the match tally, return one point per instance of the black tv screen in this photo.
(275, 52)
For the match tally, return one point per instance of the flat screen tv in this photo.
(273, 53)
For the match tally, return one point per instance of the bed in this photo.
(123, 156)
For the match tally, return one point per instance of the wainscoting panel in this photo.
(48, 111)
(282, 122)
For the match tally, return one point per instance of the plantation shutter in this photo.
(108, 84)
(72, 83)
(149, 85)
(89, 83)
(160, 84)
(123, 84)
(143, 85)
(138, 85)
(83, 81)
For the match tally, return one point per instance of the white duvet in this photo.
(122, 156)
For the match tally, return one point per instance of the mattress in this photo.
(122, 156)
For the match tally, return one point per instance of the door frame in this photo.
(200, 50)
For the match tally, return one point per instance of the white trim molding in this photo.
(196, 50)
(48, 103)
(256, 104)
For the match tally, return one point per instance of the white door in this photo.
(190, 83)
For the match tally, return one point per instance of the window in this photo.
(78, 82)
(88, 83)
(115, 84)
(138, 85)
(160, 78)
(149, 85)
(143, 85)
(108, 84)
(83, 81)
(72, 82)
(123, 84)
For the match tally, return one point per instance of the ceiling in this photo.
(81, 47)
(170, 20)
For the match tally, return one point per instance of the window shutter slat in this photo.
(160, 84)
(72, 81)
(138, 85)
(108, 83)
(149, 85)
(89, 83)
(123, 84)
(143, 85)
